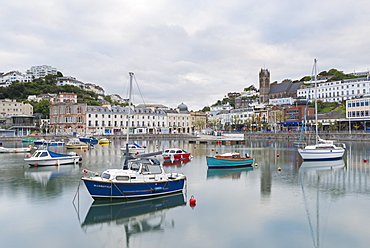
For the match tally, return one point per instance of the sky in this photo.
(191, 52)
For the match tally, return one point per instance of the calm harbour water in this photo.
(299, 206)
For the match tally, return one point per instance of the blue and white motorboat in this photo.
(139, 177)
(89, 140)
(44, 157)
(228, 160)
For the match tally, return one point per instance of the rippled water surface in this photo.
(281, 202)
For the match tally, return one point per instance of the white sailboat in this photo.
(322, 149)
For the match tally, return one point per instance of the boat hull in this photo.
(14, 150)
(321, 154)
(213, 162)
(176, 157)
(118, 190)
(51, 161)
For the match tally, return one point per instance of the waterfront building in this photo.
(336, 91)
(198, 120)
(10, 107)
(358, 112)
(68, 117)
(179, 120)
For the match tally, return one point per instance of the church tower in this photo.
(264, 85)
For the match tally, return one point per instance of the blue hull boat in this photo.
(89, 140)
(228, 160)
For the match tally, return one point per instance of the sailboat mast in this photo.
(128, 121)
(316, 121)
(129, 107)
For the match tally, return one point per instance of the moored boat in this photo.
(55, 143)
(228, 160)
(104, 141)
(174, 154)
(133, 148)
(45, 157)
(76, 144)
(321, 149)
(15, 150)
(29, 140)
(138, 178)
(89, 140)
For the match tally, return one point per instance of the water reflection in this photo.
(319, 184)
(44, 174)
(136, 217)
(234, 173)
(178, 163)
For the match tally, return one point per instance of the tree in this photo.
(206, 108)
(199, 124)
(42, 107)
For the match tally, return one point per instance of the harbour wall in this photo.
(224, 139)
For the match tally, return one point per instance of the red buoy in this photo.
(192, 202)
(365, 160)
(277, 155)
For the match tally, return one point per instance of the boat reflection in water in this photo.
(234, 173)
(313, 166)
(46, 173)
(320, 184)
(136, 216)
(180, 162)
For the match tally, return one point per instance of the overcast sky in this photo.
(193, 52)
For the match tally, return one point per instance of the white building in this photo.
(6, 79)
(94, 88)
(69, 81)
(282, 101)
(337, 91)
(41, 71)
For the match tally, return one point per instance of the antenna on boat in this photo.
(128, 121)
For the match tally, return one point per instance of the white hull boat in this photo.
(15, 150)
(322, 149)
(45, 157)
